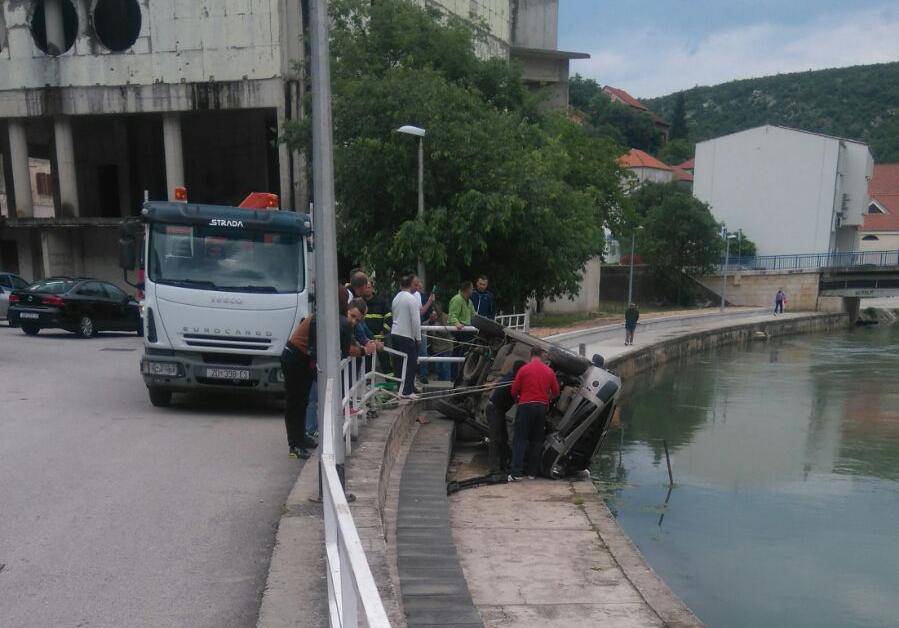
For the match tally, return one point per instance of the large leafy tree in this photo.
(680, 237)
(510, 191)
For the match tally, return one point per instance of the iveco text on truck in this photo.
(223, 289)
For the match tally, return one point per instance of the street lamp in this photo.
(630, 279)
(727, 238)
(408, 129)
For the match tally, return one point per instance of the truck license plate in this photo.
(228, 374)
(29, 315)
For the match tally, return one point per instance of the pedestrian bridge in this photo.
(859, 274)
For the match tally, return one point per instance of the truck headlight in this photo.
(164, 369)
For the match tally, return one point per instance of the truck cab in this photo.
(223, 289)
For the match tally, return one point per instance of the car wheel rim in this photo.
(87, 326)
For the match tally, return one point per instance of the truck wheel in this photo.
(159, 397)
(30, 330)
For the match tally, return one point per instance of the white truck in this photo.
(223, 289)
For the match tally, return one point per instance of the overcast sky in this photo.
(655, 47)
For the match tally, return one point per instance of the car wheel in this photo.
(30, 330)
(159, 397)
(86, 327)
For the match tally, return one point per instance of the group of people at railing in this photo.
(368, 324)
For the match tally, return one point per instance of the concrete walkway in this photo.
(609, 341)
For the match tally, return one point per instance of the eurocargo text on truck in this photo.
(223, 289)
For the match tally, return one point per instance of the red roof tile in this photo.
(687, 165)
(624, 96)
(884, 188)
(636, 158)
(681, 175)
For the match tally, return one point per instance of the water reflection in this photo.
(786, 462)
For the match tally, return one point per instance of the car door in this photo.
(121, 310)
(93, 302)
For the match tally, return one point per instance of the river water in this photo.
(785, 456)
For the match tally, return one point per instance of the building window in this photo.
(875, 208)
(870, 238)
(42, 184)
(69, 27)
(117, 23)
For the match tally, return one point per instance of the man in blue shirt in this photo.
(482, 300)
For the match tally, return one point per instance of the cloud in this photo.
(649, 62)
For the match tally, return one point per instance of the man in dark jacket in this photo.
(482, 300)
(379, 319)
(498, 406)
(631, 316)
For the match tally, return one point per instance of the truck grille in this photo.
(227, 342)
(232, 359)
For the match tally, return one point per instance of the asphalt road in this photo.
(116, 513)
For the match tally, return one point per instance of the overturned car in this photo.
(577, 420)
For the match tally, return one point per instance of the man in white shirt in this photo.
(406, 333)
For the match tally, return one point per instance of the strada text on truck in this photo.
(223, 289)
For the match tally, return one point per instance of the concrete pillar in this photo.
(288, 200)
(21, 175)
(65, 167)
(852, 306)
(174, 154)
(56, 35)
(124, 164)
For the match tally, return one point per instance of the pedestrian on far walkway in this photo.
(631, 316)
(780, 300)
(406, 334)
(533, 388)
(482, 300)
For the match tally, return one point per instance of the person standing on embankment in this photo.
(631, 316)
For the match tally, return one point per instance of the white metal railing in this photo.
(520, 322)
(352, 591)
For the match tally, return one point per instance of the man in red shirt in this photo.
(533, 388)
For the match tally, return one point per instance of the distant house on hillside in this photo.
(790, 191)
(880, 231)
(687, 165)
(645, 168)
(621, 96)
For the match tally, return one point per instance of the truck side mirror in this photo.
(127, 252)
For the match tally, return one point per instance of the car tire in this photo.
(474, 366)
(30, 330)
(488, 327)
(86, 327)
(451, 411)
(568, 363)
(160, 398)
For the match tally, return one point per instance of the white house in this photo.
(790, 191)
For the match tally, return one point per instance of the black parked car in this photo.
(83, 306)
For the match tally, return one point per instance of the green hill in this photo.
(859, 102)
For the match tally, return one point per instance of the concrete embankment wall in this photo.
(647, 358)
(758, 287)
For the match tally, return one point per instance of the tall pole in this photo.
(630, 279)
(327, 323)
(421, 200)
(724, 270)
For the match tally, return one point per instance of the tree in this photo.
(618, 122)
(679, 129)
(509, 190)
(680, 236)
(676, 152)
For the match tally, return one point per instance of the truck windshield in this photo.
(222, 258)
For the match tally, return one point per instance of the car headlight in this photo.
(277, 375)
(164, 369)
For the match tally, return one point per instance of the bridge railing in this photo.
(812, 261)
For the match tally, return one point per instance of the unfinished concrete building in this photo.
(118, 100)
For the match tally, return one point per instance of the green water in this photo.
(785, 455)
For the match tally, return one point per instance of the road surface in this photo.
(116, 513)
